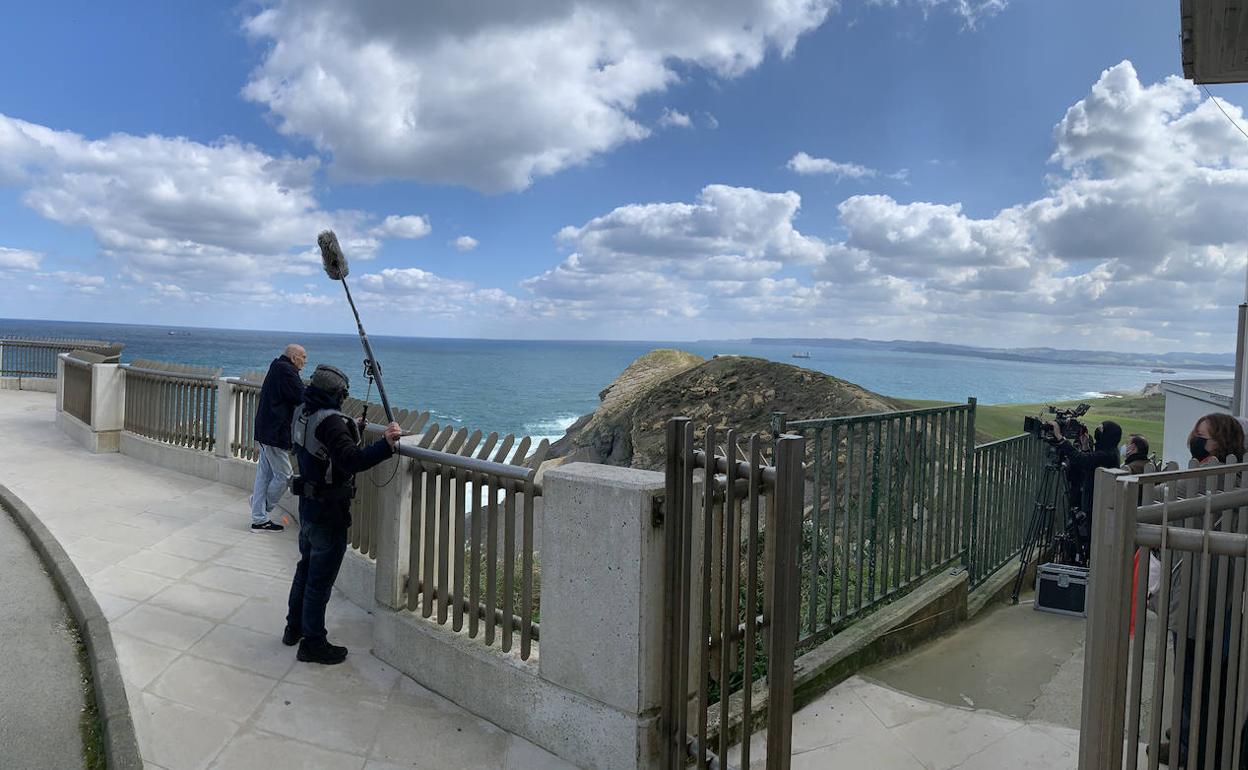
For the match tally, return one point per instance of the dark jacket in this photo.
(1082, 465)
(348, 458)
(281, 393)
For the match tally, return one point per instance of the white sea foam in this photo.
(552, 428)
(1098, 394)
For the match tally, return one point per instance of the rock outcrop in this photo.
(730, 391)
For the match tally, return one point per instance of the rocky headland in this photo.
(739, 392)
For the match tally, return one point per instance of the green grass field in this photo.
(1136, 414)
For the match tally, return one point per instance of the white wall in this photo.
(1184, 406)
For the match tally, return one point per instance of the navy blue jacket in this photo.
(281, 393)
(349, 458)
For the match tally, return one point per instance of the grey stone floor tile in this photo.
(263, 654)
(196, 600)
(178, 737)
(260, 750)
(212, 687)
(331, 720)
(141, 661)
(164, 627)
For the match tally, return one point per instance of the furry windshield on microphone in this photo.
(332, 258)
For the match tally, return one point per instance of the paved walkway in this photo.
(1001, 692)
(196, 603)
(41, 691)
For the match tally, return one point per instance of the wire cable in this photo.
(1217, 103)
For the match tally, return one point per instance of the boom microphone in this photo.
(332, 258)
(335, 263)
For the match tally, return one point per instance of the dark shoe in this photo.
(267, 526)
(1163, 753)
(321, 651)
(291, 636)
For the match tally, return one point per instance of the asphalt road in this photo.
(41, 697)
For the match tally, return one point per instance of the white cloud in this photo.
(19, 259)
(971, 11)
(410, 226)
(223, 218)
(465, 243)
(804, 164)
(1139, 241)
(674, 119)
(495, 94)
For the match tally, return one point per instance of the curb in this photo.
(121, 747)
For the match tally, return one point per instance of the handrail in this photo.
(487, 467)
(999, 442)
(822, 422)
(172, 375)
(1192, 506)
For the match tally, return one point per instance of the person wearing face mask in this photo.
(1082, 465)
(1135, 455)
(1215, 437)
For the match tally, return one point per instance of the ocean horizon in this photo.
(540, 387)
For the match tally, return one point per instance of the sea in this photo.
(539, 388)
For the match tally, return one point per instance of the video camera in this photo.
(1065, 419)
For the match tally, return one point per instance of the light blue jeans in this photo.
(272, 475)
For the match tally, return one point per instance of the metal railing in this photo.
(172, 403)
(1195, 523)
(1006, 479)
(889, 507)
(731, 617)
(365, 507)
(77, 390)
(245, 398)
(28, 357)
(471, 552)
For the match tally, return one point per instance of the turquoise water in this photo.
(539, 387)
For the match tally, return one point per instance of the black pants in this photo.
(321, 548)
(1218, 690)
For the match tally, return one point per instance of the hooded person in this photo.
(329, 452)
(1081, 466)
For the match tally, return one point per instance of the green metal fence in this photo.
(886, 508)
(895, 497)
(1007, 475)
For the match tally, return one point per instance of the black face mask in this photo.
(1198, 447)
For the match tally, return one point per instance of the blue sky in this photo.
(624, 174)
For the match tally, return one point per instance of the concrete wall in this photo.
(39, 384)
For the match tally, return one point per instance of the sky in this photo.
(988, 172)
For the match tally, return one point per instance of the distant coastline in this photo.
(1214, 361)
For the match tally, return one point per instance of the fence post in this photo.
(970, 503)
(603, 598)
(1108, 611)
(394, 532)
(225, 418)
(783, 574)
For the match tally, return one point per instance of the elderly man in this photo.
(281, 393)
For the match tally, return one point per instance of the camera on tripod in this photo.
(1065, 419)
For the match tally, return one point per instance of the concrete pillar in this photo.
(394, 533)
(108, 398)
(603, 593)
(225, 417)
(60, 382)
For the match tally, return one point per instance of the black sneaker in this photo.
(291, 636)
(321, 651)
(267, 526)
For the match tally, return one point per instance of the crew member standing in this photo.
(328, 448)
(281, 393)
